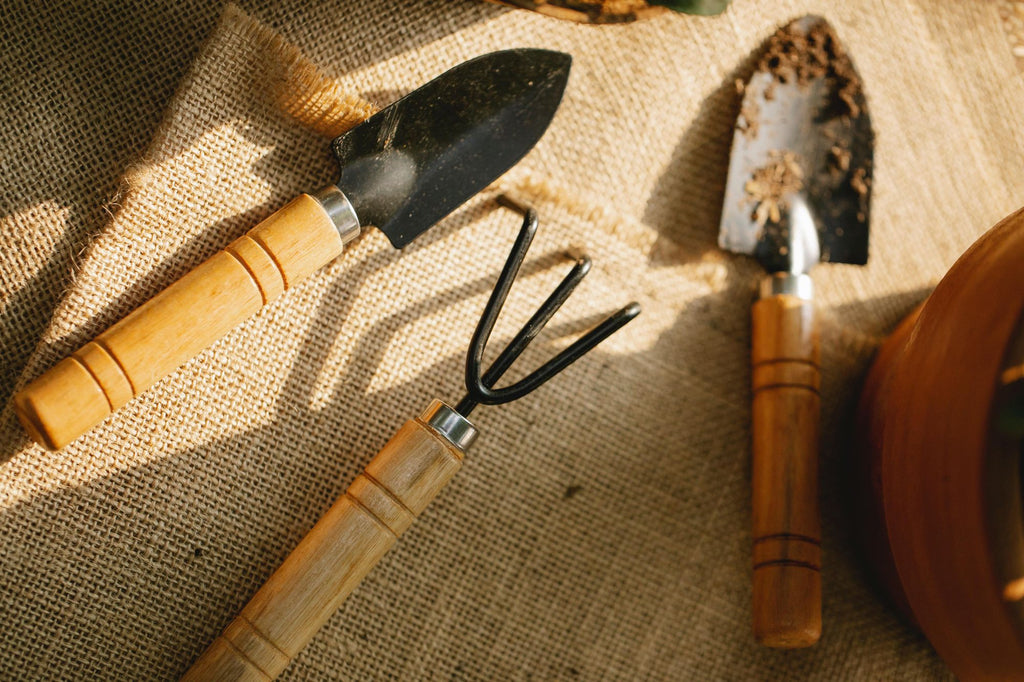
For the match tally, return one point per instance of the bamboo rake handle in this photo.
(178, 323)
(333, 558)
(786, 526)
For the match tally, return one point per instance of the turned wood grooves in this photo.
(178, 323)
(107, 372)
(266, 274)
(328, 564)
(786, 532)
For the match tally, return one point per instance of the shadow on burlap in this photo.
(599, 529)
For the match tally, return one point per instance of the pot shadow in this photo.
(851, 506)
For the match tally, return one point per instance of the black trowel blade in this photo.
(417, 160)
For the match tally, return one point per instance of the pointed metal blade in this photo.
(414, 162)
(799, 184)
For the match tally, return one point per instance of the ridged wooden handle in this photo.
(786, 526)
(333, 558)
(178, 323)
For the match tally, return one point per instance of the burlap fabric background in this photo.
(599, 529)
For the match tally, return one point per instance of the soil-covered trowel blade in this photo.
(803, 143)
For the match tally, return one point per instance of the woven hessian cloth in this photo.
(600, 527)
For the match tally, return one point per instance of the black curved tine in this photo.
(518, 344)
(502, 287)
(537, 322)
(574, 352)
(479, 385)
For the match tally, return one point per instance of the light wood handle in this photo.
(178, 323)
(333, 558)
(786, 525)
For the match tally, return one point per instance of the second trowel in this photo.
(797, 193)
(402, 170)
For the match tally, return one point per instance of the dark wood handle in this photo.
(786, 525)
(333, 558)
(178, 323)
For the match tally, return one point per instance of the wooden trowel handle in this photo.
(786, 526)
(178, 323)
(333, 558)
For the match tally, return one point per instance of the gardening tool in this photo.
(798, 192)
(392, 491)
(402, 170)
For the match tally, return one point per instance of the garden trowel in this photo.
(797, 193)
(402, 170)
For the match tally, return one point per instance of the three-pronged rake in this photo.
(395, 487)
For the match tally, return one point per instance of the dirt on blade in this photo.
(797, 56)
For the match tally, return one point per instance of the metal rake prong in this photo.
(536, 323)
(479, 384)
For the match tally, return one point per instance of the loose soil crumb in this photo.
(750, 118)
(859, 182)
(769, 185)
(794, 55)
(838, 159)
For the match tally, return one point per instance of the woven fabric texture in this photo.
(600, 527)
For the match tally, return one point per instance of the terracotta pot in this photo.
(940, 420)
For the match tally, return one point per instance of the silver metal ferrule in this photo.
(448, 423)
(340, 211)
(791, 283)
